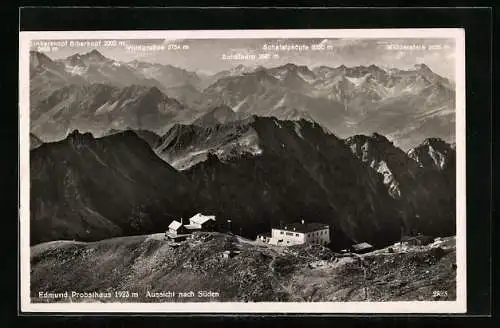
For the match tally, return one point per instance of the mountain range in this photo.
(257, 171)
(405, 105)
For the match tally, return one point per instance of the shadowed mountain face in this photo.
(423, 180)
(35, 142)
(89, 189)
(150, 137)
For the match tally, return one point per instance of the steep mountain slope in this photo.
(434, 153)
(219, 115)
(186, 94)
(89, 189)
(150, 137)
(422, 180)
(96, 108)
(143, 264)
(186, 145)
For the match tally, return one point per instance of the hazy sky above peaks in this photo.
(209, 56)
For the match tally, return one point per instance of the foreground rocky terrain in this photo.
(257, 272)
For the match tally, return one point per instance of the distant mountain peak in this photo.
(39, 54)
(39, 58)
(95, 54)
(433, 152)
(290, 66)
(217, 115)
(92, 55)
(154, 90)
(422, 66)
(378, 137)
(435, 142)
(78, 138)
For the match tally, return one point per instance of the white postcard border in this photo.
(457, 306)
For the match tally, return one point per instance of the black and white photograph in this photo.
(240, 171)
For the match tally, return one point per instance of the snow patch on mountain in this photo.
(308, 79)
(238, 105)
(357, 81)
(298, 129)
(106, 108)
(280, 103)
(437, 157)
(75, 70)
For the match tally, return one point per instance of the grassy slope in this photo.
(258, 273)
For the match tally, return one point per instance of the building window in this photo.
(281, 232)
(296, 235)
(289, 234)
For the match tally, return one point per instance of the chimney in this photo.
(182, 219)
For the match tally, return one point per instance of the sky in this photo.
(209, 56)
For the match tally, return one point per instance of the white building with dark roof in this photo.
(300, 233)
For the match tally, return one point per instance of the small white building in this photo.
(176, 231)
(301, 233)
(265, 237)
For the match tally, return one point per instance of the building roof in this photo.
(201, 219)
(306, 227)
(361, 246)
(192, 226)
(174, 225)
